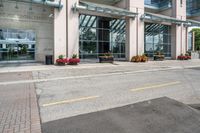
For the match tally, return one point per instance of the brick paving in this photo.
(19, 109)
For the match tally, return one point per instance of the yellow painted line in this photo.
(70, 101)
(156, 86)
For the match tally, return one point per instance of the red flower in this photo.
(189, 57)
(181, 57)
(74, 60)
(62, 60)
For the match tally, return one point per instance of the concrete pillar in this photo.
(193, 41)
(135, 30)
(179, 32)
(72, 29)
(60, 28)
(66, 30)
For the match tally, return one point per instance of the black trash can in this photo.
(49, 59)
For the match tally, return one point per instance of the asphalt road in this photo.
(88, 92)
(161, 115)
(67, 92)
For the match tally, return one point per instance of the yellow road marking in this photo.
(156, 86)
(69, 101)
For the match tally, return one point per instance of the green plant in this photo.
(74, 56)
(61, 56)
(187, 54)
(197, 38)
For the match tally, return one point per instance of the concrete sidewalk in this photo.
(151, 64)
(19, 111)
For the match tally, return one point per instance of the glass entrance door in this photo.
(157, 39)
(101, 35)
(12, 52)
(19, 52)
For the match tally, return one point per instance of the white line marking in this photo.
(84, 76)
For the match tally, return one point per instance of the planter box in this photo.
(73, 63)
(103, 59)
(195, 55)
(60, 64)
(158, 57)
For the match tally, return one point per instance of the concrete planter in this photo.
(195, 55)
(104, 59)
(158, 57)
(60, 64)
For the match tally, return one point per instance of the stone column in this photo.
(60, 31)
(193, 41)
(66, 30)
(72, 29)
(179, 32)
(135, 30)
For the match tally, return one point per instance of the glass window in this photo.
(88, 34)
(157, 39)
(20, 50)
(99, 35)
(190, 41)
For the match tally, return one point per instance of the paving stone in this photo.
(19, 109)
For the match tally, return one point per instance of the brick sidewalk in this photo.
(18, 109)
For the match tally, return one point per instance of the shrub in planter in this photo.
(106, 58)
(74, 60)
(144, 58)
(136, 58)
(61, 60)
(139, 58)
(159, 56)
(184, 57)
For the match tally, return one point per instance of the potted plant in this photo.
(61, 61)
(188, 56)
(74, 60)
(106, 58)
(144, 58)
(159, 56)
(136, 58)
(184, 57)
(139, 58)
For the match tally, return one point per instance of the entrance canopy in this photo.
(162, 18)
(193, 23)
(51, 3)
(100, 8)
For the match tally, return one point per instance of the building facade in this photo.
(31, 29)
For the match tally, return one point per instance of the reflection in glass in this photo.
(157, 39)
(99, 35)
(17, 44)
(190, 41)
